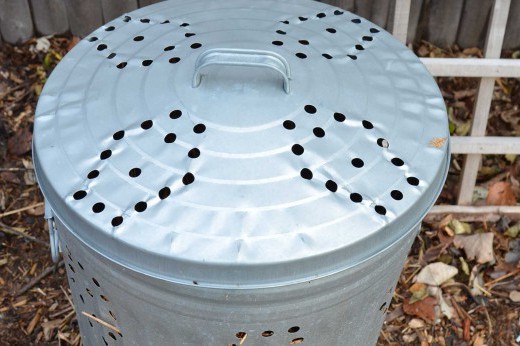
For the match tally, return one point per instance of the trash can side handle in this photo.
(53, 233)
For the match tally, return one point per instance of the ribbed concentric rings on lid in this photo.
(240, 142)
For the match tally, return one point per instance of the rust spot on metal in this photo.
(438, 142)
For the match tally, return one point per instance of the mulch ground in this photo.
(460, 284)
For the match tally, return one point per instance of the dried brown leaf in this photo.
(20, 143)
(75, 40)
(10, 177)
(479, 246)
(436, 273)
(424, 309)
(500, 193)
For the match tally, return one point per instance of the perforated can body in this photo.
(346, 308)
(237, 173)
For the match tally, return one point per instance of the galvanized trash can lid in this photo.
(240, 143)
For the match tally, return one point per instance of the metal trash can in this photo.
(237, 173)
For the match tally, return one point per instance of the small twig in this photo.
(100, 321)
(14, 169)
(460, 311)
(8, 229)
(490, 284)
(490, 325)
(412, 275)
(482, 289)
(68, 298)
(37, 279)
(18, 87)
(61, 312)
(21, 209)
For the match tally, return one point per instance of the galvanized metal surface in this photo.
(237, 183)
(346, 309)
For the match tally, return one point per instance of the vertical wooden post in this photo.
(492, 50)
(143, 3)
(84, 16)
(472, 27)
(15, 21)
(401, 18)
(50, 17)
(443, 21)
(113, 9)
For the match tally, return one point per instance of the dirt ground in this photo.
(460, 284)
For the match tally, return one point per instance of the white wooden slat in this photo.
(401, 18)
(473, 67)
(485, 145)
(493, 48)
(474, 213)
(497, 29)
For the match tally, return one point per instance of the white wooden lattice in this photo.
(487, 69)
